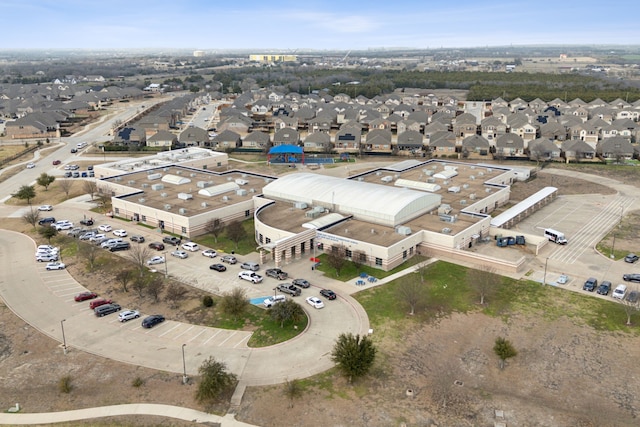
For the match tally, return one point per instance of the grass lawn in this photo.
(352, 271)
(224, 245)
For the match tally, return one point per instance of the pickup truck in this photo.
(288, 288)
(171, 240)
(276, 273)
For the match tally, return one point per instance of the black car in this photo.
(151, 321)
(631, 258)
(157, 246)
(105, 309)
(631, 278)
(136, 238)
(120, 247)
(218, 267)
(604, 288)
(47, 220)
(301, 283)
(74, 150)
(86, 221)
(633, 296)
(172, 240)
(328, 294)
(590, 285)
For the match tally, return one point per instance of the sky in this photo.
(312, 24)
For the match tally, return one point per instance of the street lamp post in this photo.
(166, 269)
(544, 278)
(64, 340)
(184, 367)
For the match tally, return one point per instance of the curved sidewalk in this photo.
(168, 411)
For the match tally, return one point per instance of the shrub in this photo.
(64, 385)
(137, 382)
(207, 301)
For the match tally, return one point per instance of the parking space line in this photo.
(228, 338)
(165, 333)
(197, 335)
(182, 333)
(243, 340)
(213, 336)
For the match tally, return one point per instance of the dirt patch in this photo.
(565, 185)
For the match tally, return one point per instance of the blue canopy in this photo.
(285, 149)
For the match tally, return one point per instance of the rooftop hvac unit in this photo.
(118, 178)
(431, 180)
(192, 175)
(229, 178)
(472, 196)
(157, 187)
(480, 173)
(178, 172)
(448, 218)
(378, 173)
(446, 182)
(204, 204)
(444, 209)
(463, 202)
(267, 180)
(387, 178)
(454, 168)
(446, 230)
(204, 184)
(163, 194)
(472, 177)
(429, 173)
(453, 189)
(373, 231)
(404, 230)
(142, 200)
(360, 179)
(241, 192)
(489, 170)
(465, 186)
(225, 198)
(165, 169)
(319, 209)
(434, 167)
(473, 167)
(154, 176)
(244, 175)
(182, 211)
(396, 176)
(185, 196)
(131, 182)
(487, 190)
(300, 205)
(252, 190)
(167, 207)
(312, 214)
(241, 182)
(145, 185)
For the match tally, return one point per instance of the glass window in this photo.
(378, 261)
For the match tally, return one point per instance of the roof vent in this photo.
(145, 185)
(472, 177)
(446, 230)
(167, 207)
(225, 198)
(163, 194)
(204, 204)
(142, 200)
(472, 196)
(182, 211)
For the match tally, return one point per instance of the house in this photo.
(410, 140)
(491, 128)
(510, 145)
(475, 147)
(321, 123)
(542, 149)
(318, 142)
(227, 140)
(237, 123)
(378, 141)
(464, 126)
(408, 125)
(578, 151)
(286, 136)
(615, 148)
(442, 144)
(519, 124)
(433, 128)
(194, 136)
(256, 140)
(348, 138)
(553, 131)
(35, 125)
(162, 138)
(130, 135)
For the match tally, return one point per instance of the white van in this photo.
(619, 292)
(555, 236)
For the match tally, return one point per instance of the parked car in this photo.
(97, 237)
(56, 266)
(74, 150)
(63, 226)
(46, 220)
(151, 321)
(137, 239)
(633, 296)
(250, 276)
(180, 254)
(45, 208)
(157, 246)
(98, 302)
(56, 162)
(48, 248)
(172, 240)
(127, 315)
(156, 260)
(84, 296)
(271, 301)
(619, 292)
(31, 165)
(631, 258)
(218, 267)
(68, 174)
(563, 279)
(86, 221)
(251, 266)
(328, 294)
(590, 285)
(76, 174)
(122, 246)
(229, 259)
(301, 283)
(276, 273)
(87, 235)
(120, 233)
(105, 309)
(46, 257)
(288, 288)
(604, 288)
(190, 246)
(631, 277)
(209, 253)
(105, 227)
(315, 302)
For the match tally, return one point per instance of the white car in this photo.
(48, 249)
(315, 302)
(97, 237)
(190, 246)
(65, 226)
(56, 266)
(120, 233)
(31, 165)
(250, 276)
(46, 257)
(128, 315)
(271, 301)
(619, 292)
(156, 260)
(208, 253)
(105, 227)
(563, 279)
(45, 208)
(180, 254)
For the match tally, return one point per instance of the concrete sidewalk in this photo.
(168, 411)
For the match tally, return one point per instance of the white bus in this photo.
(555, 236)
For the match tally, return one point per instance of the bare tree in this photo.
(139, 284)
(235, 232)
(139, 255)
(89, 186)
(154, 287)
(65, 186)
(630, 308)
(214, 227)
(124, 277)
(484, 281)
(175, 293)
(32, 217)
(337, 258)
(445, 392)
(90, 253)
(359, 258)
(413, 293)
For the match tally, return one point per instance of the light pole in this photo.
(544, 278)
(64, 340)
(166, 270)
(184, 367)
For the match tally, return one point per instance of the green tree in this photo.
(48, 232)
(215, 382)
(26, 192)
(504, 350)
(45, 180)
(234, 303)
(285, 311)
(235, 232)
(354, 355)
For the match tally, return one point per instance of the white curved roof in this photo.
(323, 221)
(417, 185)
(175, 179)
(365, 201)
(219, 189)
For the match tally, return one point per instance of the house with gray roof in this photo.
(194, 136)
(578, 151)
(162, 138)
(615, 148)
(286, 136)
(543, 149)
(442, 144)
(318, 142)
(257, 140)
(476, 147)
(378, 141)
(410, 140)
(227, 140)
(510, 145)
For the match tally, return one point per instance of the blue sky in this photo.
(312, 24)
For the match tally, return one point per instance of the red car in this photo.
(56, 162)
(85, 296)
(98, 302)
(157, 246)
